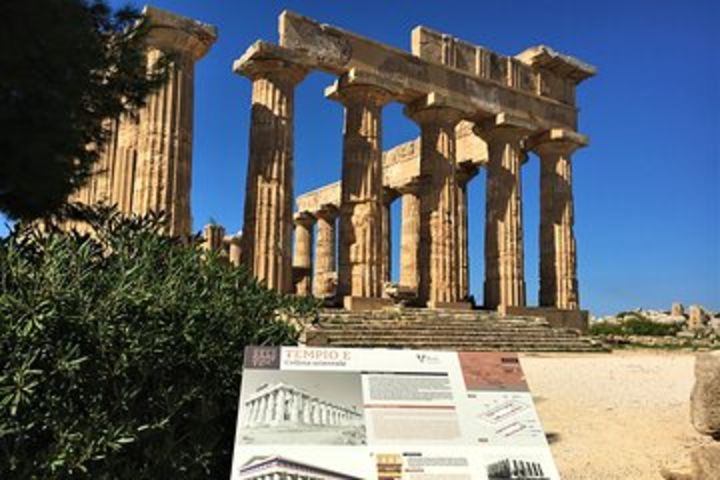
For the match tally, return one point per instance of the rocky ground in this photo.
(614, 416)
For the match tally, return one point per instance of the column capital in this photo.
(170, 32)
(556, 140)
(359, 87)
(263, 60)
(305, 219)
(388, 195)
(413, 186)
(435, 109)
(327, 212)
(504, 127)
(465, 173)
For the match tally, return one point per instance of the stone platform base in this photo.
(450, 305)
(354, 304)
(557, 318)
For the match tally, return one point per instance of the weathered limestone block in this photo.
(438, 253)
(302, 258)
(267, 235)
(702, 463)
(677, 310)
(705, 397)
(558, 256)
(697, 318)
(504, 261)
(360, 270)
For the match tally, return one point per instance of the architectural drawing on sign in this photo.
(285, 405)
(301, 408)
(513, 469)
(504, 418)
(279, 468)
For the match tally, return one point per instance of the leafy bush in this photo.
(634, 324)
(120, 353)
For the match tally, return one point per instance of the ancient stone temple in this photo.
(474, 108)
(147, 162)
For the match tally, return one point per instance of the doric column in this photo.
(235, 253)
(267, 230)
(213, 235)
(295, 407)
(307, 410)
(410, 235)
(439, 282)
(325, 245)
(163, 168)
(280, 406)
(360, 254)
(558, 257)
(464, 175)
(386, 233)
(302, 257)
(504, 261)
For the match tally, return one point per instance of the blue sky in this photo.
(646, 190)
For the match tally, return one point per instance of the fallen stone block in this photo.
(705, 397)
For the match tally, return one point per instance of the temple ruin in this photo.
(474, 107)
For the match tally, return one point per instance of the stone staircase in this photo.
(471, 330)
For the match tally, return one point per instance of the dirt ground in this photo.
(614, 416)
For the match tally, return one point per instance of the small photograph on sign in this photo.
(301, 407)
(525, 464)
(322, 463)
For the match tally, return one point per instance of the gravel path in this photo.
(614, 416)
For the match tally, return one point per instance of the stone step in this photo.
(506, 347)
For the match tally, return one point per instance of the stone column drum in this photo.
(439, 268)
(360, 272)
(268, 221)
(325, 245)
(302, 258)
(163, 168)
(410, 236)
(558, 257)
(504, 261)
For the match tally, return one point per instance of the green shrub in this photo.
(634, 324)
(121, 353)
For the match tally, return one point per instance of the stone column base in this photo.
(366, 303)
(450, 305)
(556, 317)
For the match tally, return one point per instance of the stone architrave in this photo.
(360, 270)
(325, 244)
(504, 260)
(163, 167)
(558, 256)
(268, 221)
(438, 253)
(302, 258)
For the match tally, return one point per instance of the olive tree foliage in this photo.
(66, 66)
(121, 351)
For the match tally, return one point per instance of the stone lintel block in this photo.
(452, 107)
(450, 305)
(366, 303)
(173, 32)
(325, 197)
(567, 139)
(337, 51)
(542, 56)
